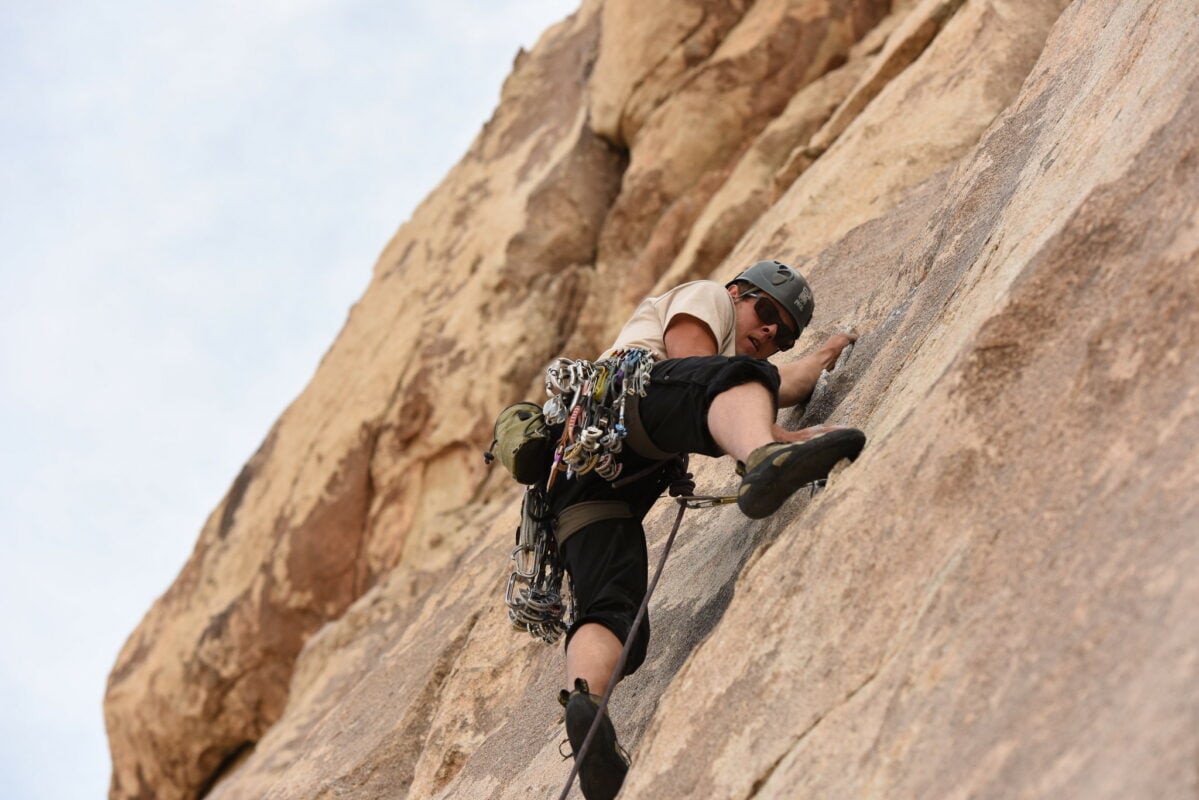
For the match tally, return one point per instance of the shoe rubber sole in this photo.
(768, 485)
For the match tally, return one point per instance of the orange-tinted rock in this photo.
(998, 599)
(704, 115)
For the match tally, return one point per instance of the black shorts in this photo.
(675, 409)
(607, 560)
(608, 565)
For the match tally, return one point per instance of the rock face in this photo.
(999, 599)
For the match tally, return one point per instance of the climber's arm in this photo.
(799, 377)
(688, 336)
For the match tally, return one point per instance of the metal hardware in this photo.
(534, 595)
(590, 399)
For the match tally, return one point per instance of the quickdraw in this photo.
(594, 415)
(536, 600)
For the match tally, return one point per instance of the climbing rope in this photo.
(685, 501)
(683, 490)
(624, 653)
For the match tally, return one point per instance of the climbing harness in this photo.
(597, 405)
(536, 599)
(591, 400)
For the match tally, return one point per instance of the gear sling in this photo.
(596, 406)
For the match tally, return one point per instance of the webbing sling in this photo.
(573, 519)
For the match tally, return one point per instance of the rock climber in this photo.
(711, 391)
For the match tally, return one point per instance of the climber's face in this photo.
(762, 324)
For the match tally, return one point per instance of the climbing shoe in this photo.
(775, 471)
(604, 765)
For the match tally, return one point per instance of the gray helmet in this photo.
(784, 284)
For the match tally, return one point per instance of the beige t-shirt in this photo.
(707, 301)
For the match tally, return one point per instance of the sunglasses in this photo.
(784, 337)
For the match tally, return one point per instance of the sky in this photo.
(193, 196)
